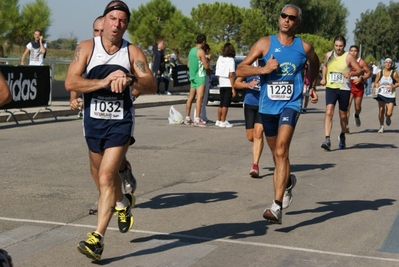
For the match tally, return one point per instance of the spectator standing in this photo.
(375, 70)
(369, 80)
(36, 49)
(198, 67)
(158, 67)
(203, 116)
(225, 71)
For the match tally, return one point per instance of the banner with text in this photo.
(29, 86)
(180, 75)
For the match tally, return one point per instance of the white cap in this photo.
(388, 59)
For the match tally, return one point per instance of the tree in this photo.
(17, 28)
(377, 33)
(222, 23)
(159, 19)
(8, 17)
(326, 18)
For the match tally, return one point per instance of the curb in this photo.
(22, 116)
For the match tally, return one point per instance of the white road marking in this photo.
(211, 239)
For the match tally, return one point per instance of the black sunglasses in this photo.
(290, 17)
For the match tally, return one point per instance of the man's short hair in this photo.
(201, 38)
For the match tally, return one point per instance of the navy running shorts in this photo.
(271, 123)
(98, 145)
(342, 96)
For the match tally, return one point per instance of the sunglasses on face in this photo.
(290, 17)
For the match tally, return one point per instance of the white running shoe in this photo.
(381, 130)
(287, 199)
(274, 214)
(225, 124)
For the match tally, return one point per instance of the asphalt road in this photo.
(196, 204)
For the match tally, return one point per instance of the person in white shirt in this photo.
(37, 50)
(225, 71)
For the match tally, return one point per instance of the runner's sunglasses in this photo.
(290, 17)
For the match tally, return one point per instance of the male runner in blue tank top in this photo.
(281, 97)
(103, 69)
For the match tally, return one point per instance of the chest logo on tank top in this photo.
(286, 69)
(100, 57)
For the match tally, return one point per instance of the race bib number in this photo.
(280, 90)
(107, 107)
(383, 90)
(336, 77)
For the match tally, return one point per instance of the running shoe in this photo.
(217, 123)
(125, 217)
(188, 121)
(388, 121)
(326, 144)
(357, 120)
(381, 130)
(200, 123)
(225, 124)
(287, 199)
(274, 214)
(129, 183)
(254, 171)
(342, 141)
(92, 247)
(93, 210)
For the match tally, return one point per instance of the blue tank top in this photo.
(283, 88)
(252, 95)
(106, 112)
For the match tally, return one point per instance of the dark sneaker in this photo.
(287, 199)
(254, 171)
(342, 141)
(129, 183)
(273, 215)
(93, 210)
(125, 217)
(357, 120)
(92, 247)
(326, 144)
(388, 121)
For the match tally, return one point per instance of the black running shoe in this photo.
(92, 247)
(326, 144)
(125, 217)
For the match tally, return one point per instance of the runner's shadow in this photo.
(335, 209)
(174, 200)
(228, 231)
(371, 146)
(304, 167)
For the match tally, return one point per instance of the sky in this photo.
(74, 18)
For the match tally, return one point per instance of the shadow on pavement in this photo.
(335, 209)
(203, 234)
(174, 200)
